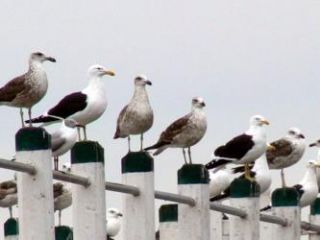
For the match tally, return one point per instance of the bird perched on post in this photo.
(8, 195)
(286, 151)
(184, 132)
(136, 117)
(113, 222)
(28, 89)
(83, 107)
(243, 149)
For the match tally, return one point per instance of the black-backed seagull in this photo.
(113, 222)
(286, 151)
(28, 89)
(84, 107)
(244, 148)
(136, 117)
(184, 132)
(8, 195)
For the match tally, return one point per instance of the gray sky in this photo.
(243, 57)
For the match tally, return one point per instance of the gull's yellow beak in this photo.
(109, 72)
(270, 147)
(265, 121)
(317, 164)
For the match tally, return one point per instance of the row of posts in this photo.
(176, 221)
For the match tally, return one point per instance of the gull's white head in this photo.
(142, 80)
(258, 120)
(295, 133)
(99, 71)
(66, 167)
(113, 213)
(40, 57)
(198, 102)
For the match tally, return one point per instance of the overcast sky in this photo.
(243, 57)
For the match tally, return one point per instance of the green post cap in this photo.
(243, 188)
(193, 174)
(87, 152)
(285, 197)
(32, 139)
(168, 213)
(63, 233)
(315, 207)
(11, 227)
(137, 162)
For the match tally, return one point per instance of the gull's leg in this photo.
(56, 163)
(59, 216)
(29, 113)
(10, 212)
(79, 133)
(129, 147)
(21, 116)
(189, 154)
(84, 132)
(141, 142)
(247, 172)
(283, 181)
(184, 156)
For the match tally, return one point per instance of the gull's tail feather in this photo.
(41, 119)
(216, 163)
(160, 146)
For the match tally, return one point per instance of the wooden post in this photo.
(315, 218)
(11, 229)
(216, 228)
(139, 222)
(285, 204)
(194, 221)
(63, 233)
(168, 222)
(245, 195)
(35, 194)
(89, 203)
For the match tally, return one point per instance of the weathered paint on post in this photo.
(285, 204)
(137, 170)
(194, 222)
(35, 194)
(315, 218)
(168, 222)
(63, 233)
(225, 229)
(265, 228)
(11, 229)
(216, 227)
(244, 195)
(89, 203)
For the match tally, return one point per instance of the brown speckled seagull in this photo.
(28, 89)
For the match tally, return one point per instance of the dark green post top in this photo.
(32, 139)
(11, 227)
(244, 188)
(86, 152)
(63, 233)
(285, 197)
(315, 207)
(137, 162)
(193, 174)
(168, 213)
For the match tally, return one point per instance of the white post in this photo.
(216, 227)
(168, 222)
(194, 221)
(245, 195)
(285, 204)
(225, 229)
(138, 222)
(11, 229)
(265, 228)
(315, 218)
(35, 194)
(89, 203)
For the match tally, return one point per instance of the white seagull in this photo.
(136, 117)
(8, 195)
(63, 139)
(83, 107)
(286, 151)
(28, 89)
(113, 222)
(244, 148)
(184, 132)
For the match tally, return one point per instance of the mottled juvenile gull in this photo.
(136, 117)
(84, 107)
(244, 148)
(184, 132)
(28, 89)
(113, 222)
(286, 151)
(8, 195)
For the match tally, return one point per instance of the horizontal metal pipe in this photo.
(71, 178)
(310, 227)
(174, 198)
(122, 188)
(227, 209)
(17, 166)
(273, 219)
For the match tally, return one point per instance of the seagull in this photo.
(244, 148)
(317, 144)
(62, 194)
(286, 151)
(28, 89)
(136, 117)
(259, 171)
(8, 195)
(184, 132)
(113, 222)
(83, 107)
(63, 139)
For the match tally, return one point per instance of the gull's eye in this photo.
(39, 54)
(292, 132)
